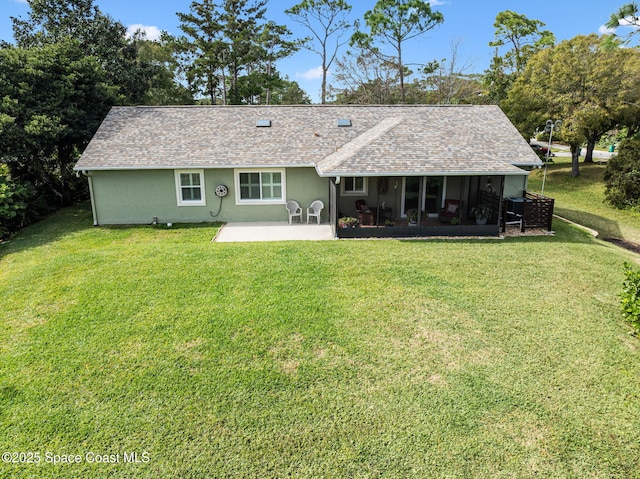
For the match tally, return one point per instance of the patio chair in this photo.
(366, 215)
(314, 210)
(294, 209)
(451, 210)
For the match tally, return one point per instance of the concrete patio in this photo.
(273, 231)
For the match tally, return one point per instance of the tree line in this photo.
(69, 62)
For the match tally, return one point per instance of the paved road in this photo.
(565, 151)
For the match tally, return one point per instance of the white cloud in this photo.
(312, 74)
(604, 30)
(153, 33)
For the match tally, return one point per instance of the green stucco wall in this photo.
(136, 196)
(514, 186)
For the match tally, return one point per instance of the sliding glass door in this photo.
(432, 194)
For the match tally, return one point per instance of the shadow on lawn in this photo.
(77, 218)
(52, 228)
(606, 228)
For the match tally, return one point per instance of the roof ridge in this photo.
(421, 106)
(358, 143)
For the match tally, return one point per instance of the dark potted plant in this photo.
(482, 213)
(412, 216)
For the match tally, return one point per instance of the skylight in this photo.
(263, 123)
(344, 122)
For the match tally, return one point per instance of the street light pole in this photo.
(549, 127)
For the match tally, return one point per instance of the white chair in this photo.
(314, 210)
(294, 209)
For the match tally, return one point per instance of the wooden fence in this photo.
(533, 211)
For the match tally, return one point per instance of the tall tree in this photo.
(168, 87)
(272, 45)
(241, 23)
(448, 82)
(393, 22)
(324, 19)
(522, 35)
(289, 93)
(365, 79)
(233, 48)
(576, 82)
(202, 52)
(54, 99)
(523, 38)
(53, 21)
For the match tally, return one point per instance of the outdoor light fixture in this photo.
(548, 128)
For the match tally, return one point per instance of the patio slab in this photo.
(248, 232)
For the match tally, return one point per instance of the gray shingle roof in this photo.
(384, 140)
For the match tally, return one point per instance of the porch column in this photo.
(333, 206)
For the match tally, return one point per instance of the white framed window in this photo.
(190, 187)
(258, 187)
(354, 186)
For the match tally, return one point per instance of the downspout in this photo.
(93, 203)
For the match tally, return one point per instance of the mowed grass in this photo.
(582, 199)
(360, 359)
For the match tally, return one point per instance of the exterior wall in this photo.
(514, 186)
(136, 196)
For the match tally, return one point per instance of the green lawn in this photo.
(581, 199)
(344, 359)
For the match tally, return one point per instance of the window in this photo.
(354, 185)
(260, 187)
(190, 188)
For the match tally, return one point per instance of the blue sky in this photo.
(467, 22)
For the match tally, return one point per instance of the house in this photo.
(165, 164)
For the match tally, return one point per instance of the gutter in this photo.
(91, 197)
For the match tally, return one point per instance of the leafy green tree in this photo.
(53, 100)
(523, 38)
(393, 22)
(272, 45)
(230, 49)
(324, 19)
(167, 89)
(576, 82)
(98, 35)
(14, 203)
(289, 93)
(203, 50)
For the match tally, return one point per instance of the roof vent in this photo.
(263, 123)
(344, 122)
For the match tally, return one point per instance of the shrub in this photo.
(14, 203)
(630, 297)
(622, 176)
